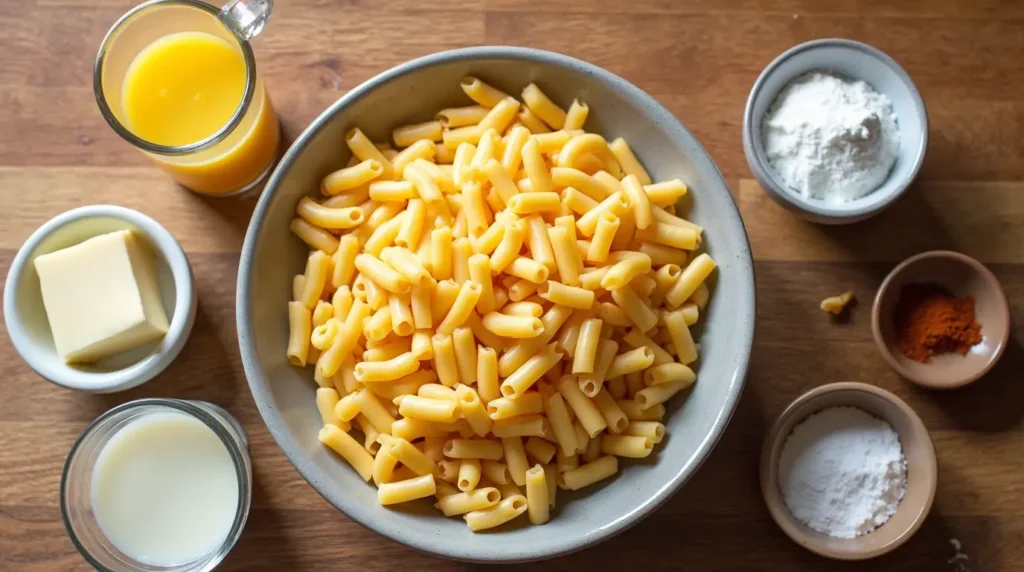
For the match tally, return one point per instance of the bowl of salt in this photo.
(848, 471)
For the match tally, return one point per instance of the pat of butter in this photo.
(101, 296)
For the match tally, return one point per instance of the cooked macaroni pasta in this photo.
(496, 309)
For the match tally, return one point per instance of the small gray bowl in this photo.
(413, 92)
(852, 60)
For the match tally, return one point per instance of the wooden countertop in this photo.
(699, 58)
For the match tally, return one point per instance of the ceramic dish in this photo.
(852, 60)
(412, 92)
(962, 276)
(25, 315)
(922, 470)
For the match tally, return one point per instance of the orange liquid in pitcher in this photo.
(185, 87)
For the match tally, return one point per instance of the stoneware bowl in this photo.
(855, 61)
(25, 315)
(413, 92)
(922, 470)
(962, 276)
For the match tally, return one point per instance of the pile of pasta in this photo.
(500, 305)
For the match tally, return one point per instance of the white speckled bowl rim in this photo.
(816, 210)
(484, 551)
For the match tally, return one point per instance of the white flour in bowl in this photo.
(842, 472)
(831, 139)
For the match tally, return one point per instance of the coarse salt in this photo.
(842, 472)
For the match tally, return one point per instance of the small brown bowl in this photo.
(922, 470)
(963, 276)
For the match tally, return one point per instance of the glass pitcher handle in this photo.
(246, 17)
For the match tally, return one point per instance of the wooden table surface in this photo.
(699, 58)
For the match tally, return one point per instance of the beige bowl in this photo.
(922, 470)
(963, 276)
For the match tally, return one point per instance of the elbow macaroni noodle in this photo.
(500, 306)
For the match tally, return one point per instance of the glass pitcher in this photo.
(237, 154)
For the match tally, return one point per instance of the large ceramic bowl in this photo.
(414, 92)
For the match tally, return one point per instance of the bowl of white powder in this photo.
(849, 471)
(834, 130)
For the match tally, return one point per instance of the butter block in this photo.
(102, 296)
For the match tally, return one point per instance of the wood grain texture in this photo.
(699, 58)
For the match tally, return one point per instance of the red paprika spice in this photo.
(929, 320)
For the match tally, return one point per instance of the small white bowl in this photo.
(25, 315)
(852, 60)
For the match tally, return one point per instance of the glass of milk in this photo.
(157, 485)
